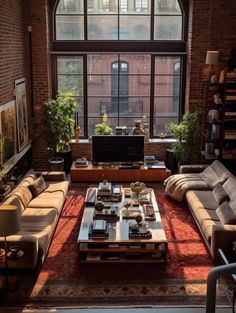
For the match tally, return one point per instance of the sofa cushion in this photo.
(39, 223)
(52, 197)
(201, 199)
(15, 200)
(38, 186)
(220, 194)
(29, 177)
(230, 187)
(226, 214)
(210, 176)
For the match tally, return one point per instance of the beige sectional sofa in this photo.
(38, 217)
(203, 201)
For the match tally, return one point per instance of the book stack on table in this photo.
(83, 162)
(98, 229)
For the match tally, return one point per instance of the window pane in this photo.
(134, 85)
(138, 63)
(102, 85)
(167, 7)
(168, 28)
(69, 27)
(69, 65)
(134, 27)
(167, 65)
(100, 63)
(159, 124)
(70, 7)
(166, 106)
(103, 7)
(70, 78)
(134, 7)
(69, 71)
(142, 6)
(103, 27)
(167, 85)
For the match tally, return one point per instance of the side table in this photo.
(14, 254)
(227, 256)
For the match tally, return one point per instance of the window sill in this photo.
(150, 140)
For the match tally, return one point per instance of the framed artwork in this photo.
(21, 114)
(8, 130)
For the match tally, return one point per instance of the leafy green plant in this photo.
(188, 136)
(103, 128)
(58, 121)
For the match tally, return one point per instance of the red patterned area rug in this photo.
(64, 282)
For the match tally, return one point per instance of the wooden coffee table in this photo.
(119, 247)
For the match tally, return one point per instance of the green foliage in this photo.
(188, 136)
(103, 128)
(58, 121)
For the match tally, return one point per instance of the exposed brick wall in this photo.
(41, 67)
(150, 148)
(12, 47)
(211, 26)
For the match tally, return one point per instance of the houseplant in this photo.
(188, 136)
(58, 125)
(103, 128)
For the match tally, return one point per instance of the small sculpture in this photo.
(213, 116)
(138, 128)
(99, 206)
(127, 205)
(77, 131)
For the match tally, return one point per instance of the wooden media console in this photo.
(93, 173)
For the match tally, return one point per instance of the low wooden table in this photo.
(115, 174)
(118, 247)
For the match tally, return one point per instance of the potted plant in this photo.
(188, 137)
(58, 124)
(103, 128)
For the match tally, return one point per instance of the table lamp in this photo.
(212, 58)
(9, 225)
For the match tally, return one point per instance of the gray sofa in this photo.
(38, 217)
(199, 192)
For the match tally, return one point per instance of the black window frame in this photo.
(153, 47)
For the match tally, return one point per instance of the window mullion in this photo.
(151, 127)
(152, 21)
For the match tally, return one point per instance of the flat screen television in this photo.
(117, 148)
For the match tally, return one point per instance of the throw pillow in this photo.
(220, 194)
(38, 186)
(226, 214)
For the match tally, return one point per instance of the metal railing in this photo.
(213, 275)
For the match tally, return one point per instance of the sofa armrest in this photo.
(53, 176)
(198, 168)
(222, 237)
(29, 245)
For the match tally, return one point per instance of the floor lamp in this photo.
(9, 225)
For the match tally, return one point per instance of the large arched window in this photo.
(124, 58)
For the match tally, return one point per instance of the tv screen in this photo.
(117, 148)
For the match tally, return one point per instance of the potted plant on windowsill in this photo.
(58, 125)
(188, 137)
(103, 128)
